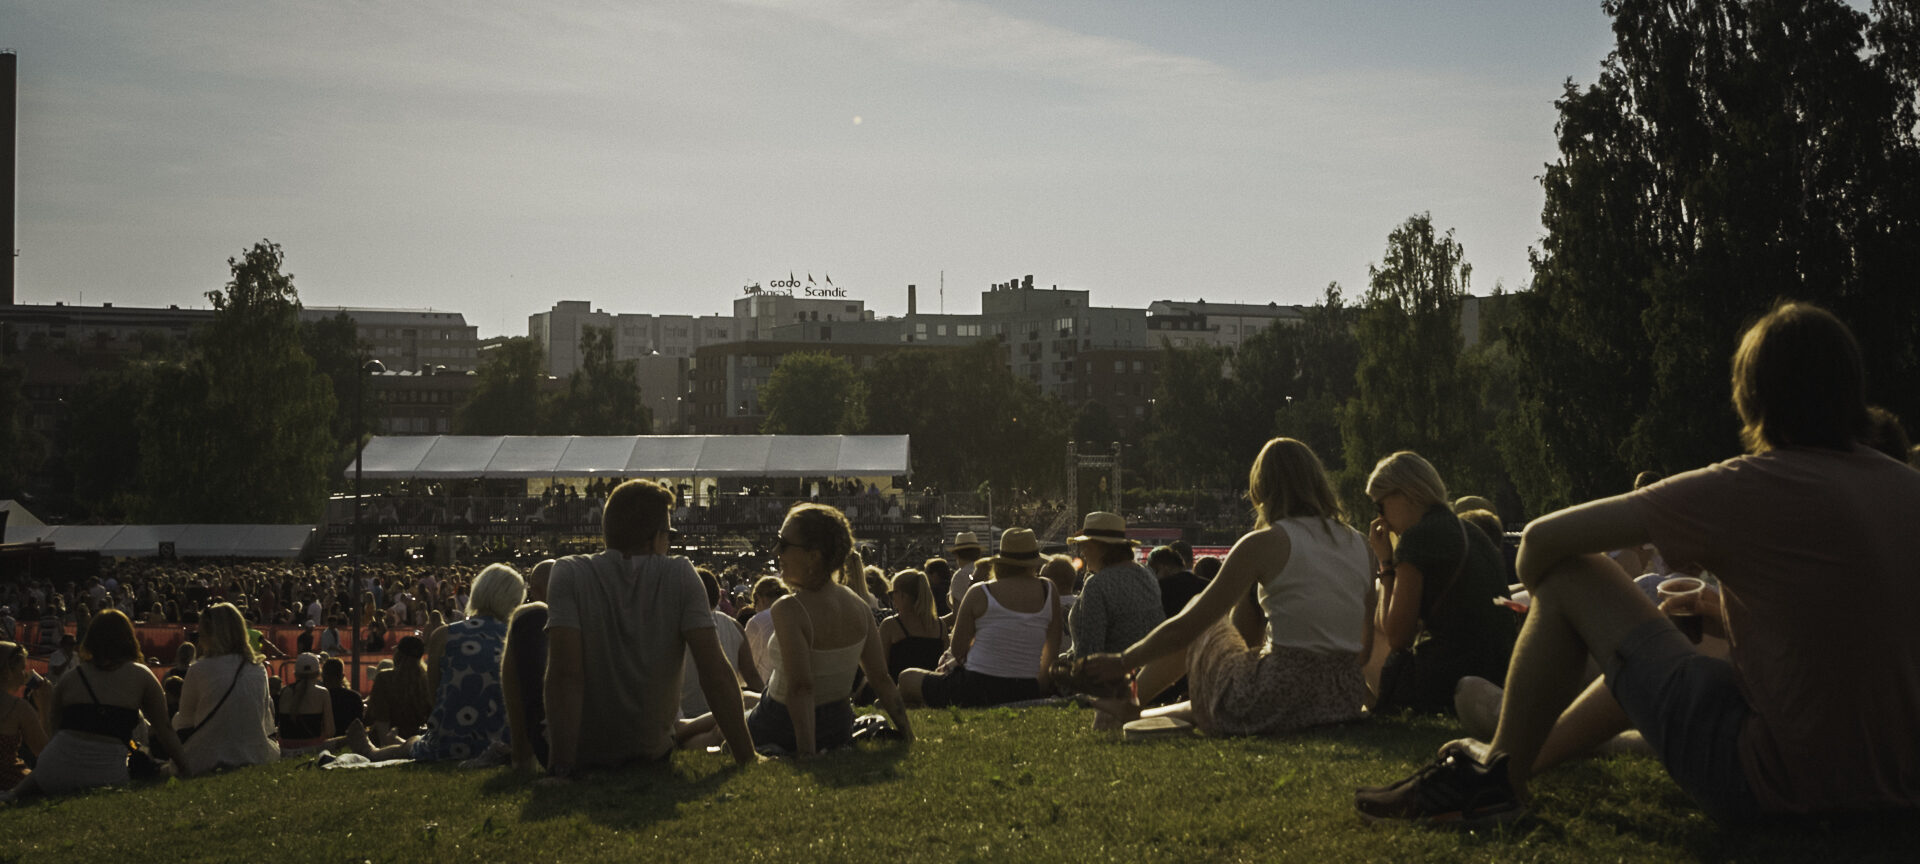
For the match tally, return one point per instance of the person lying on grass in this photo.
(1299, 587)
(1815, 710)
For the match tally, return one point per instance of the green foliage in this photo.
(602, 398)
(1194, 415)
(334, 344)
(242, 432)
(1410, 391)
(506, 398)
(21, 448)
(103, 456)
(813, 393)
(973, 422)
(1093, 422)
(1729, 154)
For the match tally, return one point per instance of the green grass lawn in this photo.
(986, 785)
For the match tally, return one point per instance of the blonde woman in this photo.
(913, 635)
(1438, 579)
(224, 700)
(1297, 586)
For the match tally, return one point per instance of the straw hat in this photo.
(965, 540)
(1018, 547)
(1103, 527)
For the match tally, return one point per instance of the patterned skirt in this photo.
(1242, 690)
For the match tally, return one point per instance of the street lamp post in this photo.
(371, 367)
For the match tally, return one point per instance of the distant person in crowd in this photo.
(733, 643)
(854, 576)
(766, 591)
(1207, 568)
(523, 673)
(224, 701)
(469, 714)
(1275, 642)
(912, 634)
(822, 633)
(303, 710)
(94, 710)
(1006, 633)
(1886, 434)
(619, 623)
(1437, 587)
(1120, 601)
(1177, 584)
(940, 577)
(62, 658)
(966, 551)
(19, 719)
(330, 639)
(348, 707)
(1793, 721)
(1059, 570)
(400, 700)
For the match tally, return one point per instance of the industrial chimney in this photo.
(912, 305)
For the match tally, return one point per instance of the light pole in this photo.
(371, 367)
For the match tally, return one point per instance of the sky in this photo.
(492, 158)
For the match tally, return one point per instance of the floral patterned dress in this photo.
(470, 711)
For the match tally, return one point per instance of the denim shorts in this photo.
(770, 723)
(1689, 708)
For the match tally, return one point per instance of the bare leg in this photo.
(1583, 607)
(1593, 723)
(910, 687)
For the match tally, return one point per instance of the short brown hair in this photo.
(636, 512)
(1799, 381)
(110, 639)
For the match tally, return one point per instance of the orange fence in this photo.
(162, 642)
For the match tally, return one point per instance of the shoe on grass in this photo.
(1454, 791)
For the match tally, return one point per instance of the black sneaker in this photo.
(1454, 791)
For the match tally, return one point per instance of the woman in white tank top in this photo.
(1004, 634)
(1299, 587)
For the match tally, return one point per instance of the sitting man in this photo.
(1811, 712)
(618, 624)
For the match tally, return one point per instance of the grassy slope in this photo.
(980, 785)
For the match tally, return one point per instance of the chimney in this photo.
(912, 306)
(9, 113)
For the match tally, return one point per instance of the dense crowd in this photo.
(1693, 619)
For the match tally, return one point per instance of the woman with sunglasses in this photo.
(1438, 580)
(822, 632)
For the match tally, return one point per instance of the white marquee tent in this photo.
(199, 541)
(395, 457)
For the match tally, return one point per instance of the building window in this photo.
(940, 330)
(1139, 366)
(1119, 366)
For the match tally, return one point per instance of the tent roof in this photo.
(18, 515)
(143, 541)
(393, 457)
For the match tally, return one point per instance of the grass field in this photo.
(987, 785)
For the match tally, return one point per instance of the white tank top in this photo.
(832, 670)
(1319, 600)
(1007, 644)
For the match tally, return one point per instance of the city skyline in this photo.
(490, 161)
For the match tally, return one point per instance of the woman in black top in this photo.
(913, 635)
(1437, 587)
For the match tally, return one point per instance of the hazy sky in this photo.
(491, 158)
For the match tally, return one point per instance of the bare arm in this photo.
(722, 689)
(1596, 526)
(1254, 557)
(1050, 649)
(436, 649)
(565, 680)
(749, 673)
(153, 704)
(873, 661)
(1400, 605)
(971, 608)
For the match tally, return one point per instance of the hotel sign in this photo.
(791, 286)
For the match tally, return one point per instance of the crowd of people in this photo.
(1776, 702)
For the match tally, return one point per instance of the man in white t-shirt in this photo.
(619, 623)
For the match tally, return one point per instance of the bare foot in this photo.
(357, 740)
(1113, 713)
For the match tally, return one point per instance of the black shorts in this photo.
(968, 689)
(770, 723)
(1689, 708)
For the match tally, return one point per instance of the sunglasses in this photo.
(781, 545)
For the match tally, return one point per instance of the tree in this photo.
(1194, 417)
(1729, 154)
(603, 397)
(813, 393)
(506, 397)
(334, 344)
(971, 419)
(243, 431)
(1409, 392)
